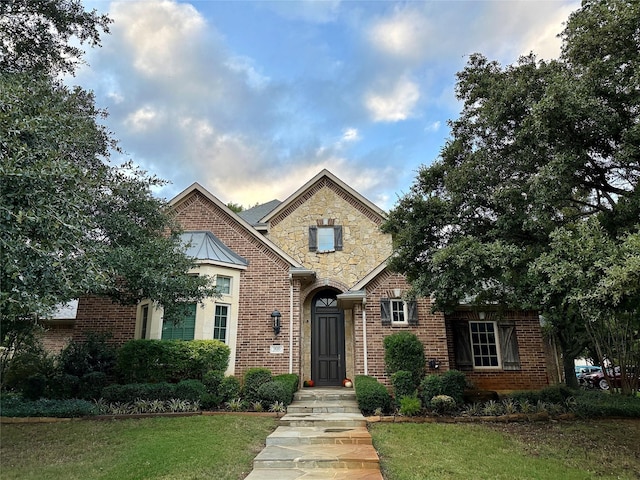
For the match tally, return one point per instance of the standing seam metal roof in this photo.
(206, 246)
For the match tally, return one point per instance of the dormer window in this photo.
(325, 236)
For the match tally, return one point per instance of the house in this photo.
(304, 288)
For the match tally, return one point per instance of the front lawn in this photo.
(545, 450)
(199, 447)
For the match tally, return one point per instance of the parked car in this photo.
(583, 370)
(598, 380)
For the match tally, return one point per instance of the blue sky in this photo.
(252, 99)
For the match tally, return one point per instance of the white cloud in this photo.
(144, 118)
(433, 126)
(245, 67)
(395, 103)
(350, 135)
(161, 35)
(403, 35)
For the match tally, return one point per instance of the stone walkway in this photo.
(322, 436)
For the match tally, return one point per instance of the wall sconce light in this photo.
(434, 364)
(275, 318)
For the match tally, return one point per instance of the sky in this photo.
(253, 99)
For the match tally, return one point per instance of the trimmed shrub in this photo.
(208, 355)
(272, 392)
(91, 385)
(443, 403)
(291, 380)
(453, 384)
(430, 387)
(33, 360)
(253, 378)
(149, 361)
(229, 389)
(11, 406)
(599, 404)
(371, 394)
(410, 405)
(553, 394)
(93, 354)
(34, 386)
(190, 390)
(64, 385)
(404, 351)
(403, 385)
(134, 391)
(212, 380)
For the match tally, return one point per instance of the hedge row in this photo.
(13, 406)
(152, 361)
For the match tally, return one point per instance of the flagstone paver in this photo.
(322, 436)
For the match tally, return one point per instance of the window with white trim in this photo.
(220, 323)
(398, 311)
(223, 284)
(395, 311)
(484, 344)
(145, 321)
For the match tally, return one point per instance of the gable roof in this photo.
(207, 247)
(254, 214)
(373, 208)
(196, 187)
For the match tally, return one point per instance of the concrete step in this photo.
(314, 474)
(325, 394)
(352, 456)
(335, 420)
(324, 406)
(319, 436)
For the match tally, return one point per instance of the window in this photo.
(220, 323)
(325, 238)
(184, 329)
(484, 344)
(223, 284)
(145, 321)
(398, 312)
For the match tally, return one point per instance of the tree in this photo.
(538, 146)
(70, 223)
(598, 277)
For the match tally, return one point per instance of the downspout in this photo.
(290, 323)
(364, 335)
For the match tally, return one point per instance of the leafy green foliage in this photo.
(291, 381)
(270, 392)
(371, 395)
(538, 146)
(404, 351)
(253, 378)
(190, 390)
(170, 360)
(133, 391)
(403, 385)
(410, 405)
(13, 406)
(430, 387)
(229, 388)
(454, 383)
(92, 354)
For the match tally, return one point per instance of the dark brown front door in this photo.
(327, 341)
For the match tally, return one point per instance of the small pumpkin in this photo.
(348, 384)
(308, 383)
(347, 381)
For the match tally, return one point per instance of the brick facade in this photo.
(268, 283)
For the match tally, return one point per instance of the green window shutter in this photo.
(313, 238)
(337, 237)
(462, 344)
(184, 329)
(509, 346)
(385, 311)
(412, 311)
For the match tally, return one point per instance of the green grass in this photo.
(199, 447)
(567, 450)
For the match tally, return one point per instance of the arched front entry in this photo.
(328, 363)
